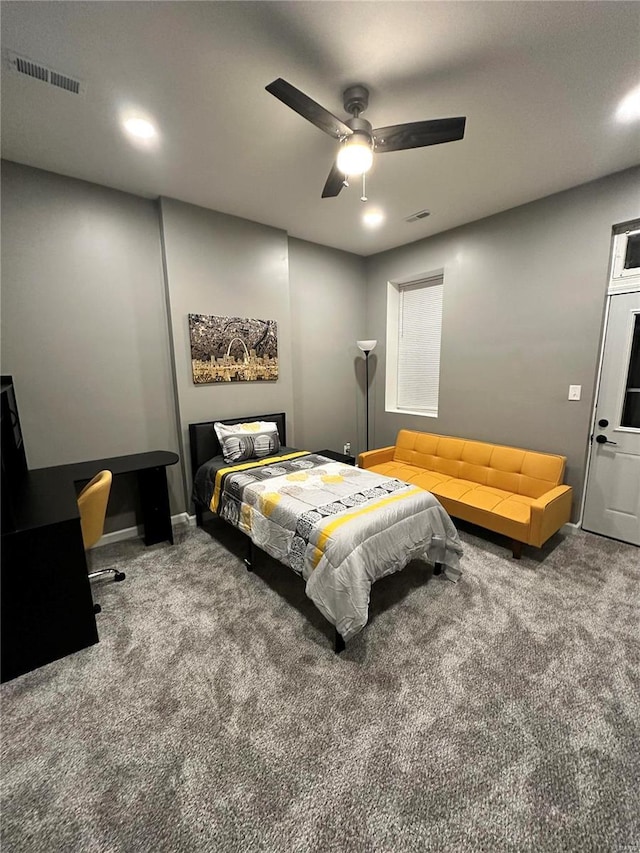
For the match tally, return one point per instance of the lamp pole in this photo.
(366, 347)
(366, 371)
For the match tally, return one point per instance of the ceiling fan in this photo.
(359, 140)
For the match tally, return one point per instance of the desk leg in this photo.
(154, 497)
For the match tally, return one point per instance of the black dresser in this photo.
(46, 603)
(46, 608)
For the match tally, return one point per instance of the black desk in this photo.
(151, 470)
(46, 604)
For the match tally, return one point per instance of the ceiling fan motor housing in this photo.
(362, 132)
(356, 99)
(359, 125)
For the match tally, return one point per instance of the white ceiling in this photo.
(539, 83)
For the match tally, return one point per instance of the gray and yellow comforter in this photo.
(340, 527)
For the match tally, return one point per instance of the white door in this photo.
(612, 506)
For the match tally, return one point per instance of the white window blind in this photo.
(419, 333)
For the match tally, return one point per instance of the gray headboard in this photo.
(203, 441)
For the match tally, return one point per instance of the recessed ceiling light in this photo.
(629, 107)
(373, 218)
(140, 128)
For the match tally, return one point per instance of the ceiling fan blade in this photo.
(417, 134)
(308, 109)
(334, 183)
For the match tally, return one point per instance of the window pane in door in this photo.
(631, 409)
(632, 255)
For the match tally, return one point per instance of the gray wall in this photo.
(95, 331)
(328, 297)
(523, 310)
(84, 326)
(226, 266)
(229, 267)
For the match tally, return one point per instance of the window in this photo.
(626, 254)
(414, 327)
(631, 403)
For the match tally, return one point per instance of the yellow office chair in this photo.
(92, 503)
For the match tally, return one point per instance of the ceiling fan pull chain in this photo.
(363, 197)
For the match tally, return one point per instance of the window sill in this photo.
(421, 414)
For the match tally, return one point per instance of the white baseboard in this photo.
(570, 528)
(137, 532)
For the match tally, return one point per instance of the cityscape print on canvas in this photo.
(232, 349)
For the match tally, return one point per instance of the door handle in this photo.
(602, 439)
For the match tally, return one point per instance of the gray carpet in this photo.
(501, 713)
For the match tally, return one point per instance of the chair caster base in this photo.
(119, 576)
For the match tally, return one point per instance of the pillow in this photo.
(247, 441)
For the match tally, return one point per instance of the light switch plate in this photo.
(574, 392)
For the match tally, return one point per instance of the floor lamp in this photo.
(366, 347)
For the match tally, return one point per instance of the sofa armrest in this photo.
(376, 457)
(548, 513)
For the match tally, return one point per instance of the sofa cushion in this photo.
(429, 480)
(484, 497)
(499, 522)
(431, 452)
(544, 467)
(506, 481)
(477, 453)
(538, 471)
(413, 474)
(515, 510)
(502, 513)
(455, 489)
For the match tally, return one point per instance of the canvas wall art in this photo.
(233, 349)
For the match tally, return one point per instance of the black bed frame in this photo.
(204, 445)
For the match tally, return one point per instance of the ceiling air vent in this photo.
(64, 82)
(27, 67)
(421, 214)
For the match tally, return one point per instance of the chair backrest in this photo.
(92, 503)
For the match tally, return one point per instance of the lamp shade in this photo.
(367, 346)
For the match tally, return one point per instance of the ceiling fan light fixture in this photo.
(356, 156)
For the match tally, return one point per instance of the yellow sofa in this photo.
(517, 493)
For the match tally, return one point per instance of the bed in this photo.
(339, 527)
